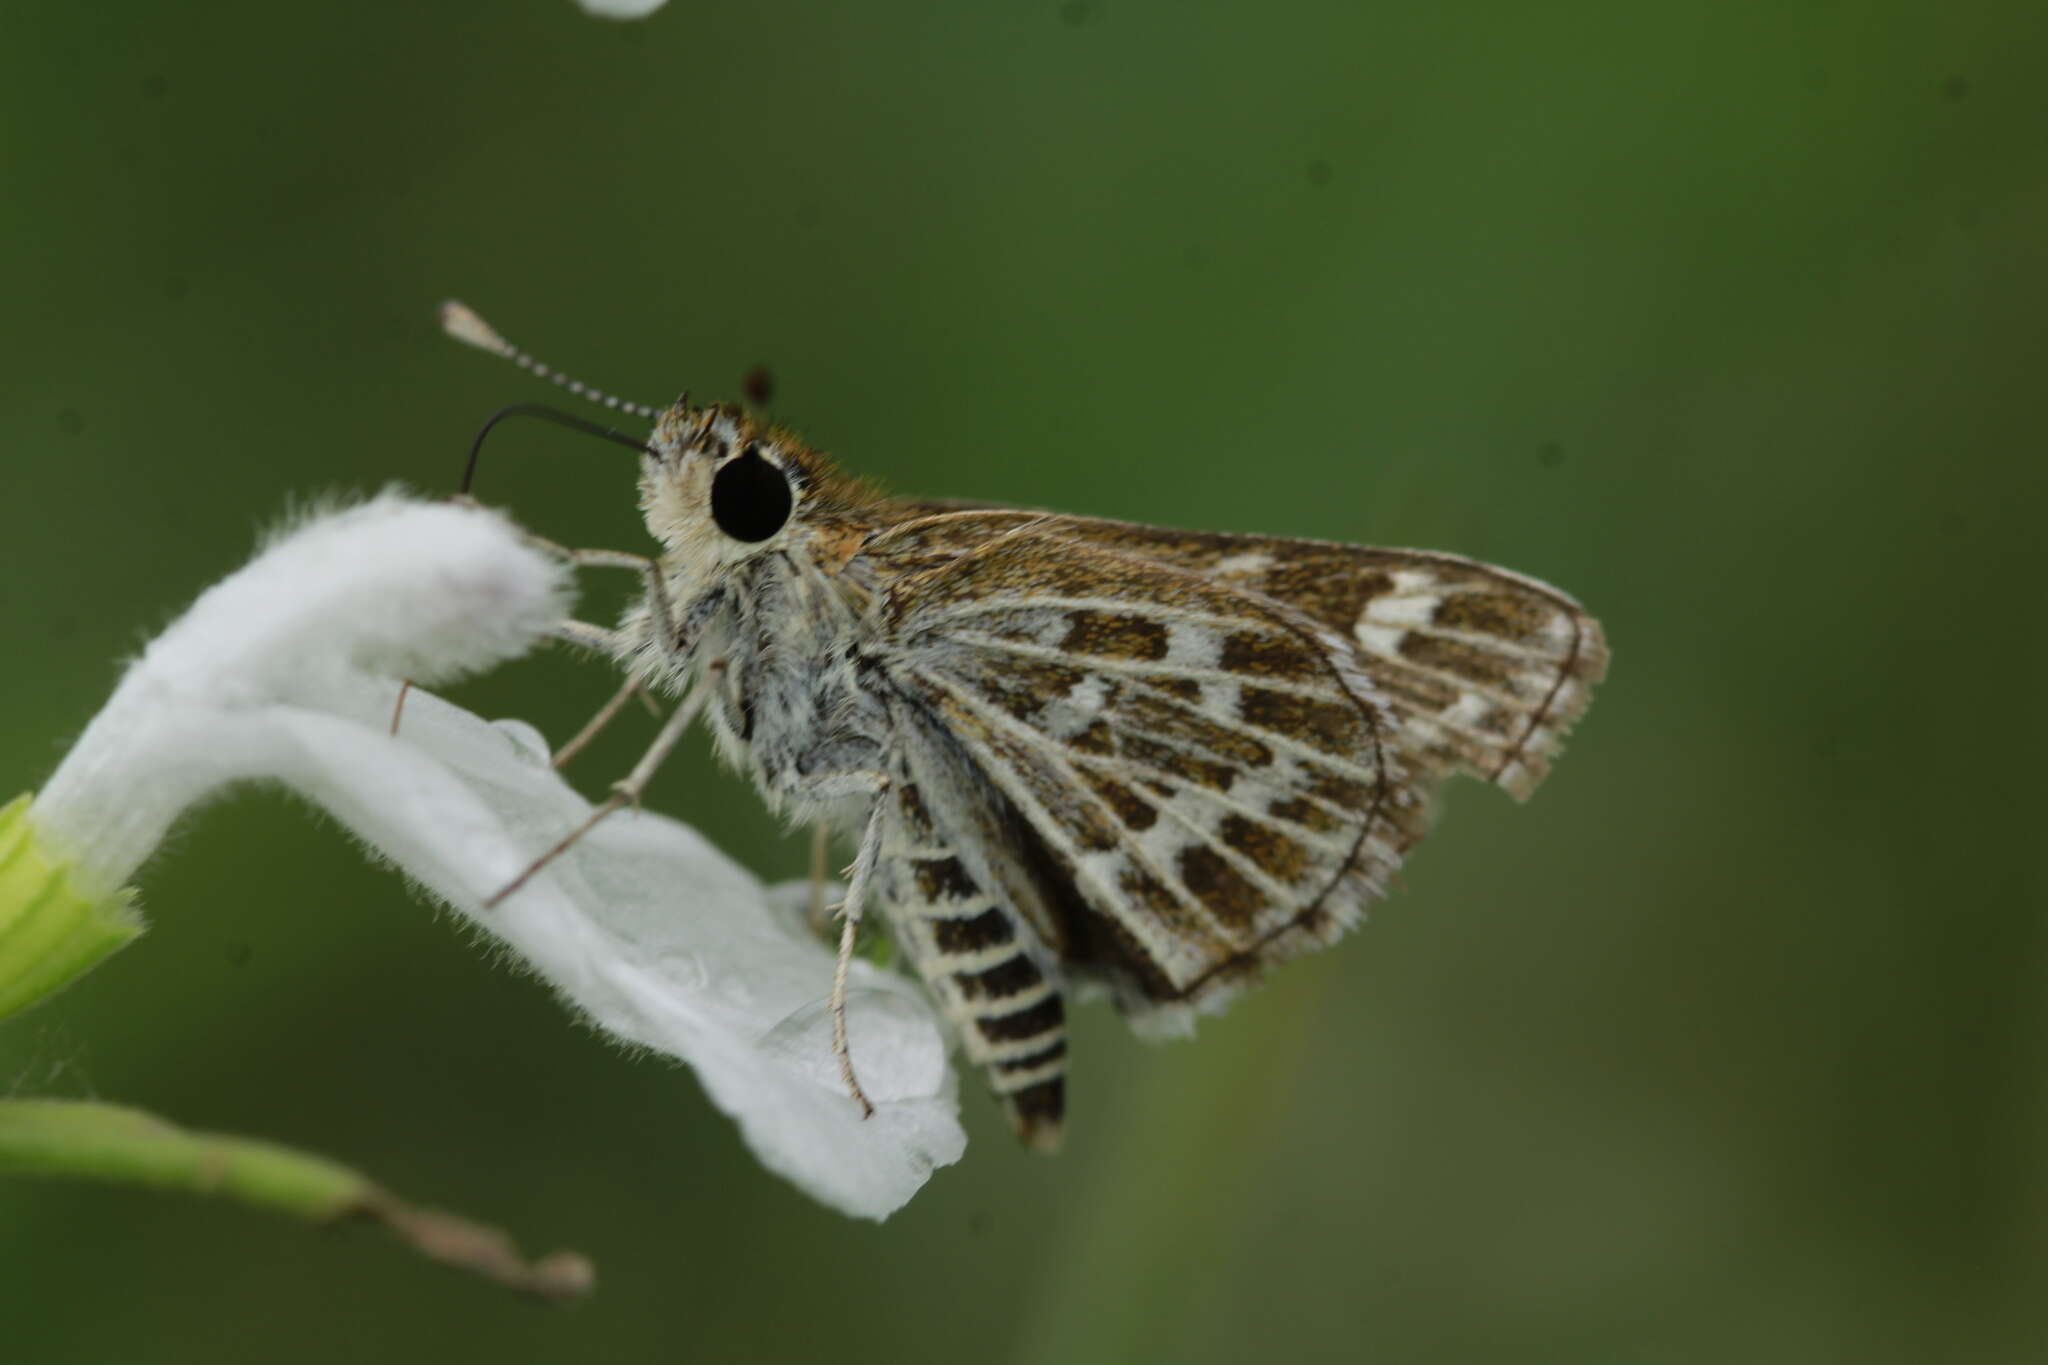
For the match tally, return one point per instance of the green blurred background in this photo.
(1728, 318)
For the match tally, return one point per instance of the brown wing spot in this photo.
(1134, 810)
(1084, 822)
(1147, 891)
(916, 818)
(1181, 724)
(1219, 886)
(1114, 635)
(1020, 564)
(1270, 654)
(943, 879)
(1187, 689)
(1273, 852)
(1096, 739)
(973, 934)
(1500, 614)
(1325, 785)
(1178, 763)
(1333, 727)
(1305, 813)
(1043, 1017)
(1111, 942)
(1005, 979)
(1331, 589)
(1413, 687)
(1459, 659)
(1024, 686)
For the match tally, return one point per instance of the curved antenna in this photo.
(460, 321)
(559, 418)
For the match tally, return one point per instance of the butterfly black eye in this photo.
(749, 497)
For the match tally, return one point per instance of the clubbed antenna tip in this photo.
(460, 321)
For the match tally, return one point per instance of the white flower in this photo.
(289, 669)
(623, 9)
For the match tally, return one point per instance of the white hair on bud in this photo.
(392, 587)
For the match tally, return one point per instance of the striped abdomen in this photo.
(976, 957)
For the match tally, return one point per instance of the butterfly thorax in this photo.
(794, 706)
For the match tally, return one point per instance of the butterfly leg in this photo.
(657, 587)
(603, 718)
(849, 927)
(821, 848)
(398, 707)
(626, 791)
(579, 633)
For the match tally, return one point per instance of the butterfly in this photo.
(1076, 754)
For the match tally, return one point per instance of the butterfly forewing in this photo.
(1484, 669)
(1205, 767)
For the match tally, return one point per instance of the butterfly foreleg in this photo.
(581, 634)
(658, 603)
(657, 586)
(633, 687)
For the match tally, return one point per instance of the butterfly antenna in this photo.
(461, 322)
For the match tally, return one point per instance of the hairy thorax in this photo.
(793, 705)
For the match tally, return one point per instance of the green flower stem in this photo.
(114, 1143)
(84, 1140)
(50, 933)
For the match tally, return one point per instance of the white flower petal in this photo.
(711, 975)
(288, 670)
(620, 9)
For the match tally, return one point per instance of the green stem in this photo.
(83, 1140)
(50, 933)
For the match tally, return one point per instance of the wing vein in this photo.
(1045, 825)
(996, 602)
(1134, 668)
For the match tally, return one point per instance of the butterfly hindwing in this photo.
(1204, 769)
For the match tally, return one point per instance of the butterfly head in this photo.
(721, 487)
(718, 486)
